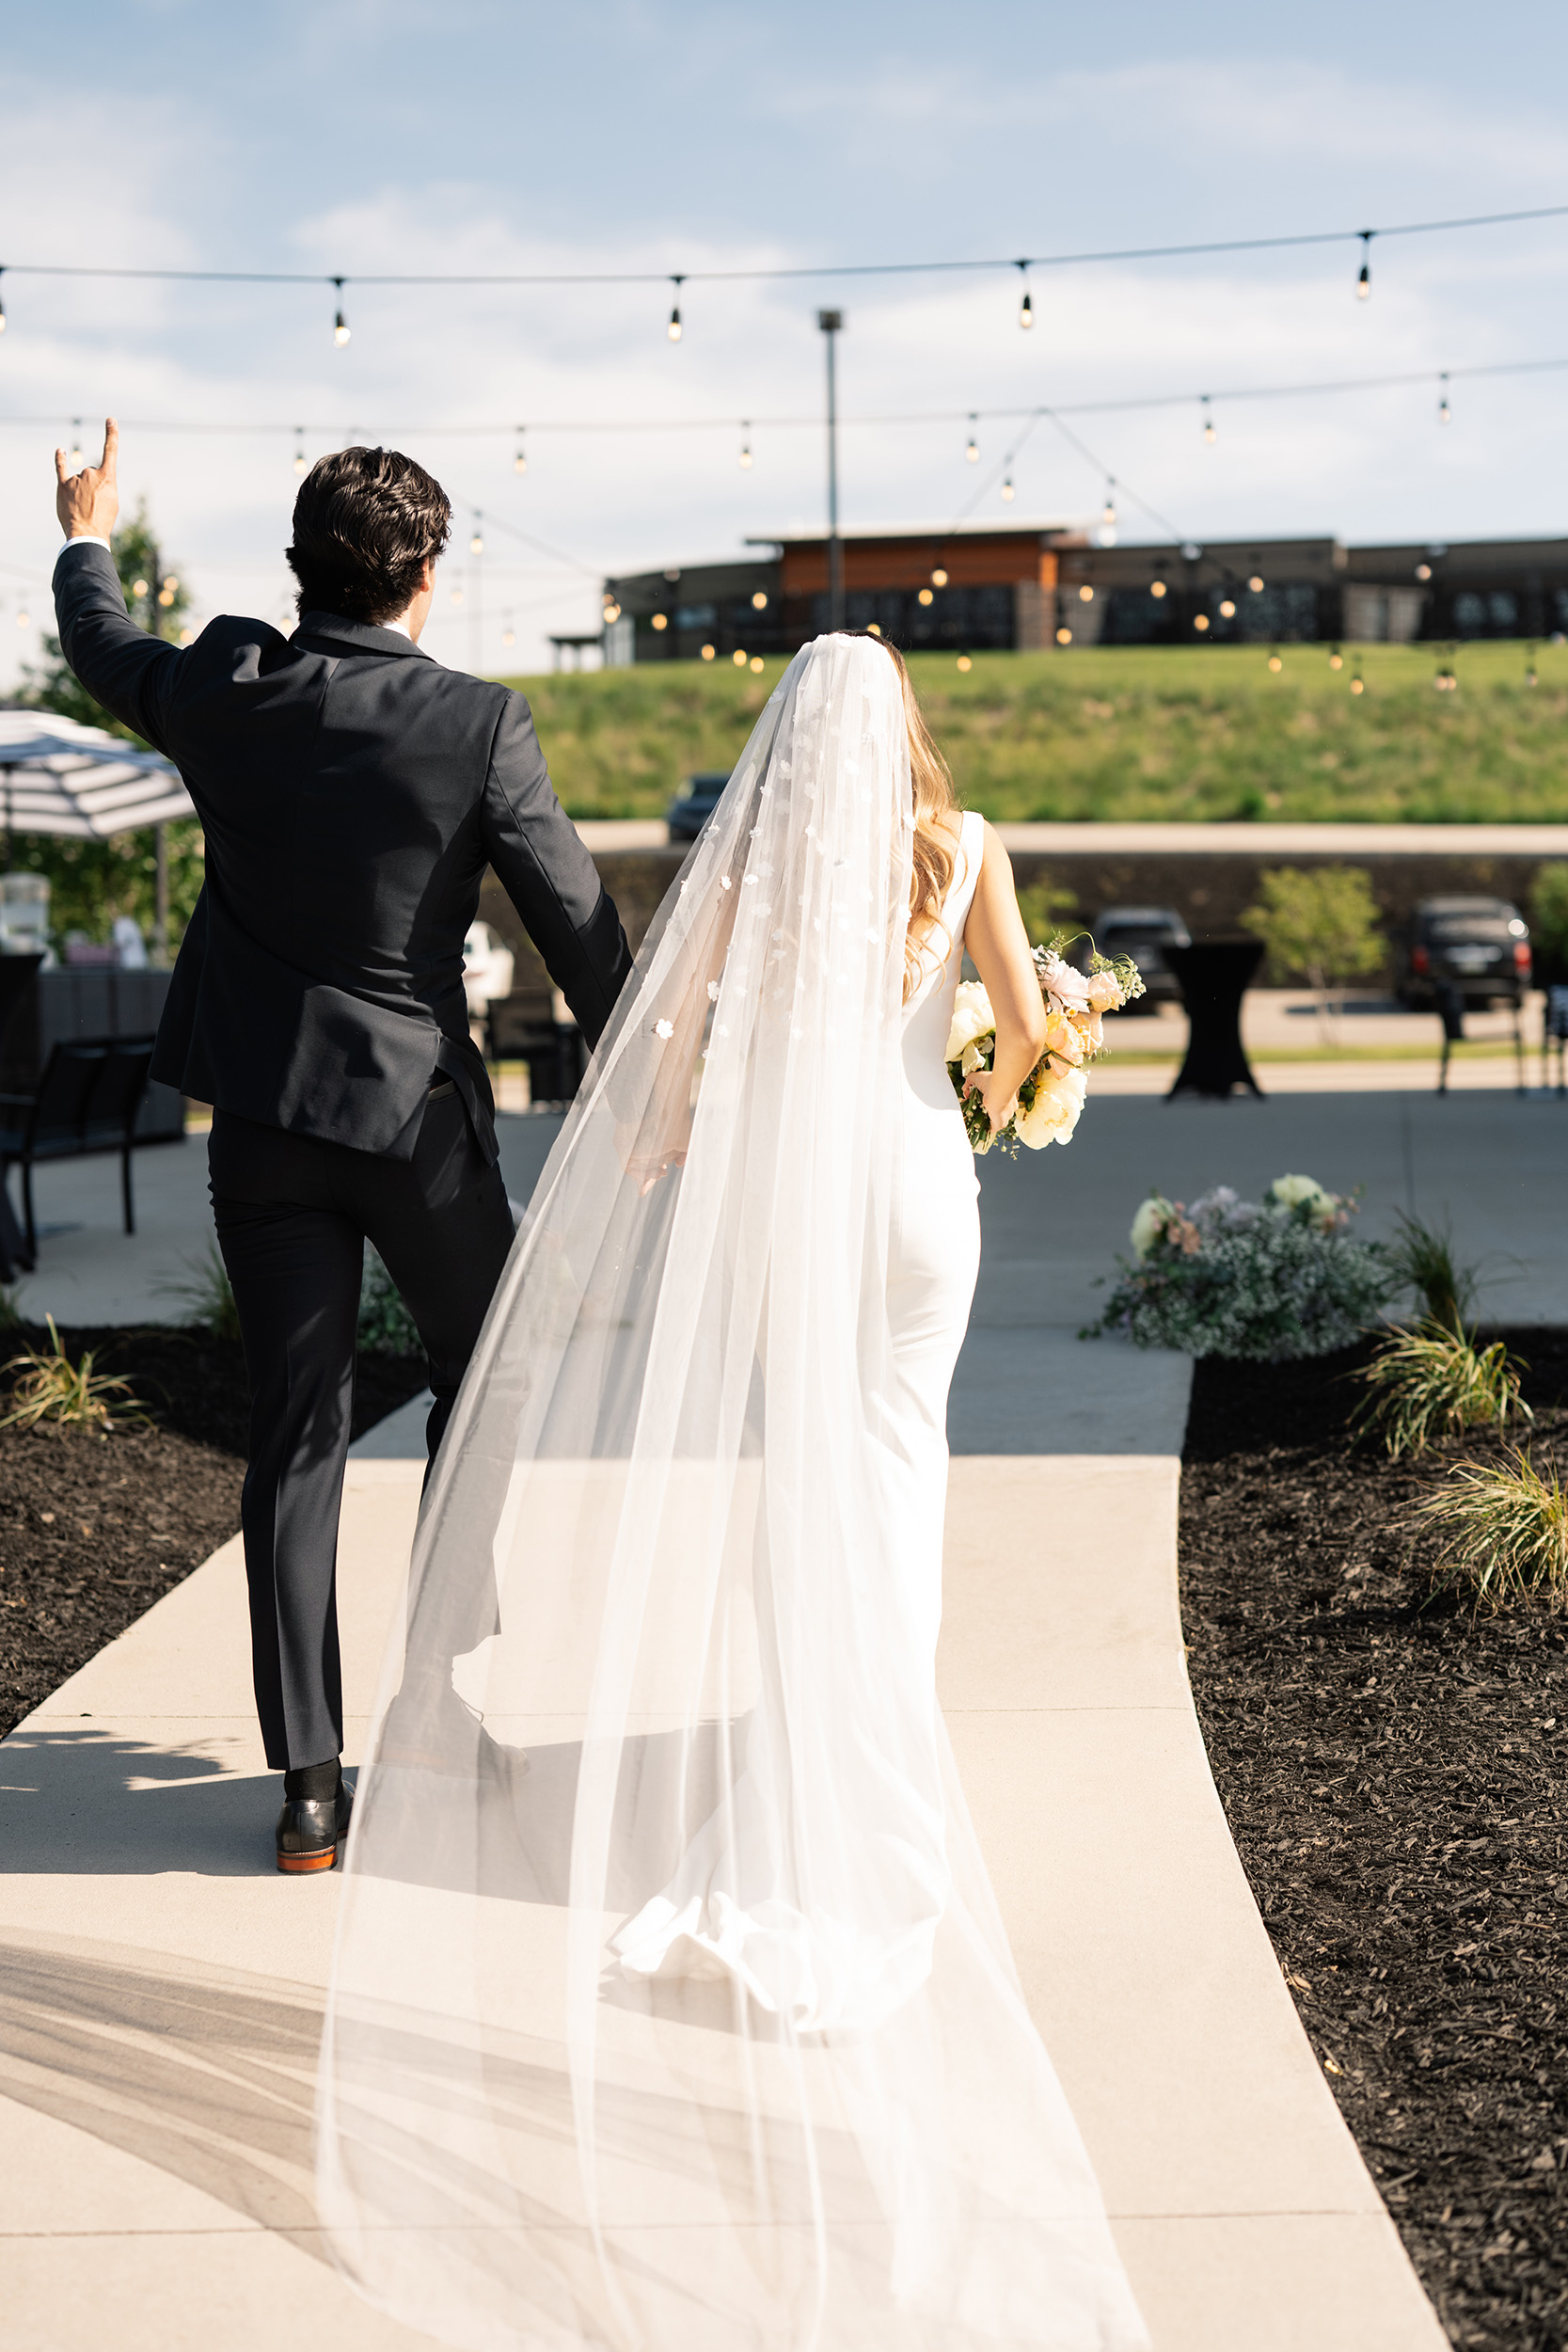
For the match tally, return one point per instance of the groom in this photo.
(352, 792)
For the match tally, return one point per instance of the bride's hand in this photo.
(648, 1166)
(999, 1106)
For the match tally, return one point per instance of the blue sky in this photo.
(396, 133)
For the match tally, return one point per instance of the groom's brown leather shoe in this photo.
(310, 1830)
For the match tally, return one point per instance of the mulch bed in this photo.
(1393, 1773)
(93, 1529)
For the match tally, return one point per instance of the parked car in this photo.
(695, 802)
(1145, 933)
(1479, 946)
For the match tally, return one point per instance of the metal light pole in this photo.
(831, 322)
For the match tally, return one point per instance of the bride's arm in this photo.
(665, 1130)
(998, 945)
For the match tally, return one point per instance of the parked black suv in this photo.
(1479, 946)
(695, 802)
(1145, 933)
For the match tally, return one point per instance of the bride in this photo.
(672, 2009)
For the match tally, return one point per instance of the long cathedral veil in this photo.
(672, 2007)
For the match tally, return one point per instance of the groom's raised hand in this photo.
(88, 503)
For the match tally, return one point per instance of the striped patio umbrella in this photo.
(59, 777)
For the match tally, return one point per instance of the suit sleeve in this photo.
(543, 866)
(121, 666)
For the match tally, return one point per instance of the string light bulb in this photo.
(1157, 588)
(457, 596)
(1007, 488)
(1445, 414)
(924, 596)
(300, 464)
(1108, 512)
(138, 589)
(972, 447)
(76, 440)
(2, 306)
(745, 447)
(759, 600)
(1276, 664)
(1064, 636)
(339, 323)
(1255, 583)
(475, 545)
(710, 652)
(519, 463)
(24, 619)
(1336, 660)
(1026, 306)
(1358, 685)
(1364, 283)
(674, 330)
(1209, 433)
(1200, 621)
(939, 577)
(1227, 610)
(964, 663)
(509, 635)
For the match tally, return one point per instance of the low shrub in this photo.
(1422, 1257)
(1264, 1281)
(1505, 1531)
(51, 1387)
(386, 1325)
(1431, 1383)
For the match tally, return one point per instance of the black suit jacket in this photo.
(352, 792)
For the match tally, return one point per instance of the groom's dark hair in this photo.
(366, 523)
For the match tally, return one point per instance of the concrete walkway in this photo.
(162, 1987)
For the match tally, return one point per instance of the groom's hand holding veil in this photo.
(88, 503)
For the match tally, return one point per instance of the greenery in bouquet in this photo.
(1053, 1095)
(1261, 1280)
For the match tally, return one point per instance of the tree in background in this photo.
(93, 882)
(1548, 922)
(1321, 923)
(1047, 907)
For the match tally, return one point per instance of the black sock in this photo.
(321, 1781)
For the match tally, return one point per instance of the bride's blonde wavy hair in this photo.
(935, 799)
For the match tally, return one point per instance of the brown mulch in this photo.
(93, 1529)
(1393, 1773)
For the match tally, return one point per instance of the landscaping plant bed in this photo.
(93, 1529)
(1392, 1769)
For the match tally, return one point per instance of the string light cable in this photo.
(1126, 403)
(775, 274)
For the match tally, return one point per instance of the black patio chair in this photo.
(87, 1101)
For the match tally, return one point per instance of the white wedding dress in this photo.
(672, 2010)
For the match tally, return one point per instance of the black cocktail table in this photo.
(1213, 975)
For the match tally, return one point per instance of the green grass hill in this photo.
(1136, 733)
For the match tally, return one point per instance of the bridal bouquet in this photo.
(1052, 1096)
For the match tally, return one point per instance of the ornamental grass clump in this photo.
(1261, 1281)
(1505, 1531)
(51, 1387)
(1422, 1257)
(1431, 1383)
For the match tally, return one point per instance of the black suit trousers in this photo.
(292, 1215)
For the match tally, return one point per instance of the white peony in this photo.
(1291, 1191)
(1059, 1096)
(1153, 1216)
(972, 1018)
